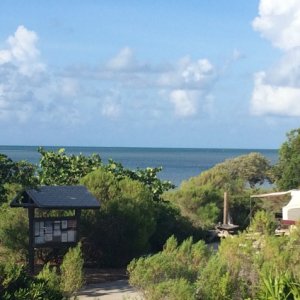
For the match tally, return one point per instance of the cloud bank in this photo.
(29, 89)
(277, 90)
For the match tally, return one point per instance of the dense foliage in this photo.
(251, 265)
(71, 279)
(147, 176)
(121, 229)
(133, 219)
(287, 170)
(201, 198)
(21, 173)
(171, 273)
(58, 168)
(16, 284)
(130, 222)
(138, 215)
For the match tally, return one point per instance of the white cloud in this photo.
(68, 87)
(194, 78)
(189, 74)
(28, 91)
(279, 22)
(190, 83)
(277, 90)
(111, 110)
(22, 52)
(184, 102)
(274, 99)
(124, 60)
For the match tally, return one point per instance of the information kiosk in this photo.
(54, 232)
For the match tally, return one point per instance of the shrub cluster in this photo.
(16, 284)
(251, 265)
(129, 223)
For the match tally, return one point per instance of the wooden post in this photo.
(225, 210)
(77, 216)
(31, 242)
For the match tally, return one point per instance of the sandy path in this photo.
(114, 290)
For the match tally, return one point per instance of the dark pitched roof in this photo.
(57, 197)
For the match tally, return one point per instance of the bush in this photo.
(71, 271)
(14, 231)
(176, 263)
(170, 222)
(121, 229)
(175, 289)
(50, 276)
(216, 283)
(263, 222)
(16, 284)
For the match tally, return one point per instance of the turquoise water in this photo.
(178, 163)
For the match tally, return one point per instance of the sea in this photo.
(178, 164)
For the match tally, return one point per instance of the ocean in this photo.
(178, 163)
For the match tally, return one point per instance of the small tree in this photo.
(72, 271)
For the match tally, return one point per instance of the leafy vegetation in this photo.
(201, 198)
(247, 266)
(58, 168)
(130, 222)
(20, 173)
(71, 279)
(287, 170)
(16, 284)
(138, 215)
(175, 264)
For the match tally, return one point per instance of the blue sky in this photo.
(209, 73)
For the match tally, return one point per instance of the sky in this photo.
(189, 74)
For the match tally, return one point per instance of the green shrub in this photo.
(72, 271)
(216, 283)
(14, 231)
(16, 284)
(50, 276)
(175, 289)
(175, 262)
(278, 285)
(122, 228)
(263, 222)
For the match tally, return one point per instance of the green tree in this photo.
(146, 176)
(11, 172)
(121, 229)
(58, 168)
(201, 198)
(287, 170)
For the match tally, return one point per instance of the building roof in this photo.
(57, 197)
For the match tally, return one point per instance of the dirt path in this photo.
(114, 290)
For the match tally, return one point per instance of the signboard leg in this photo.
(31, 237)
(77, 216)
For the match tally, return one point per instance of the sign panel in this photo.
(50, 231)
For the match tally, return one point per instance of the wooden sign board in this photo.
(54, 232)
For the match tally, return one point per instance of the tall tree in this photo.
(287, 170)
